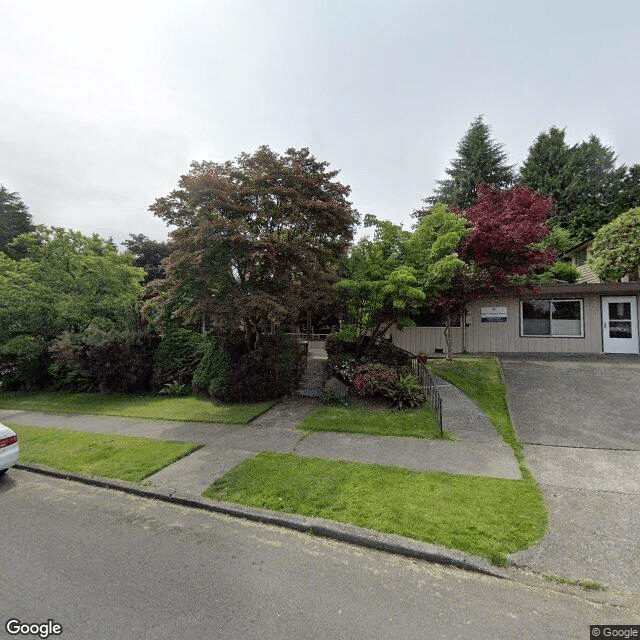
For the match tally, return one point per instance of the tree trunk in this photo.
(447, 336)
(463, 318)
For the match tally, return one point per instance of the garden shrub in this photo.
(229, 373)
(385, 353)
(373, 379)
(340, 343)
(270, 371)
(377, 370)
(177, 356)
(212, 373)
(103, 359)
(23, 363)
(344, 366)
(406, 392)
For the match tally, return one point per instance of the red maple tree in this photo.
(505, 226)
(499, 252)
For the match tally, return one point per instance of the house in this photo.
(585, 317)
(578, 256)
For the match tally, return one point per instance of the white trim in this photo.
(619, 345)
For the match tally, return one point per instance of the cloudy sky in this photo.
(104, 104)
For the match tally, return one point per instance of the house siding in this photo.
(504, 337)
(426, 339)
(586, 274)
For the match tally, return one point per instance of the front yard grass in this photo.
(489, 517)
(185, 409)
(421, 423)
(97, 454)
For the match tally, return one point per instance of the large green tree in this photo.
(615, 250)
(587, 187)
(479, 160)
(66, 282)
(148, 254)
(14, 217)
(392, 275)
(545, 168)
(257, 239)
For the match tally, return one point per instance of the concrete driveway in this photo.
(579, 420)
(576, 402)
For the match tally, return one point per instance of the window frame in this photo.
(552, 335)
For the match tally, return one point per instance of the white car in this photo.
(9, 451)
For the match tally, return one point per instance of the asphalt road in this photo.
(108, 565)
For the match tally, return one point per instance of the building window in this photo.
(580, 258)
(434, 318)
(552, 318)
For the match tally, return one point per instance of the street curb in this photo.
(320, 527)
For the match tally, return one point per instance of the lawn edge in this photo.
(329, 529)
(131, 417)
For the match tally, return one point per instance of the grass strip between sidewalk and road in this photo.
(184, 409)
(97, 454)
(421, 423)
(490, 517)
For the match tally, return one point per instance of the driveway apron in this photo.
(579, 421)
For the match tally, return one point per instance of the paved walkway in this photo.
(479, 451)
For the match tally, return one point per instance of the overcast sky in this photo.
(105, 104)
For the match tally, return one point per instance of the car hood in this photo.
(5, 432)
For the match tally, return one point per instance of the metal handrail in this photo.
(427, 383)
(314, 337)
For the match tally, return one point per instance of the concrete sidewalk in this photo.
(479, 451)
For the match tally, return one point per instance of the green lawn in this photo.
(490, 517)
(187, 409)
(96, 454)
(421, 423)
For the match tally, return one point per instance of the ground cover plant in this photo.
(489, 517)
(98, 454)
(421, 423)
(186, 409)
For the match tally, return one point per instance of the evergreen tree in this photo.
(545, 169)
(629, 197)
(148, 254)
(587, 188)
(14, 217)
(480, 160)
(592, 197)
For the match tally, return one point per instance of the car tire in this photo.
(2, 472)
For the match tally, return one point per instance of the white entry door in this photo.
(620, 324)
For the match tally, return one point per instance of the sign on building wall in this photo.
(493, 314)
